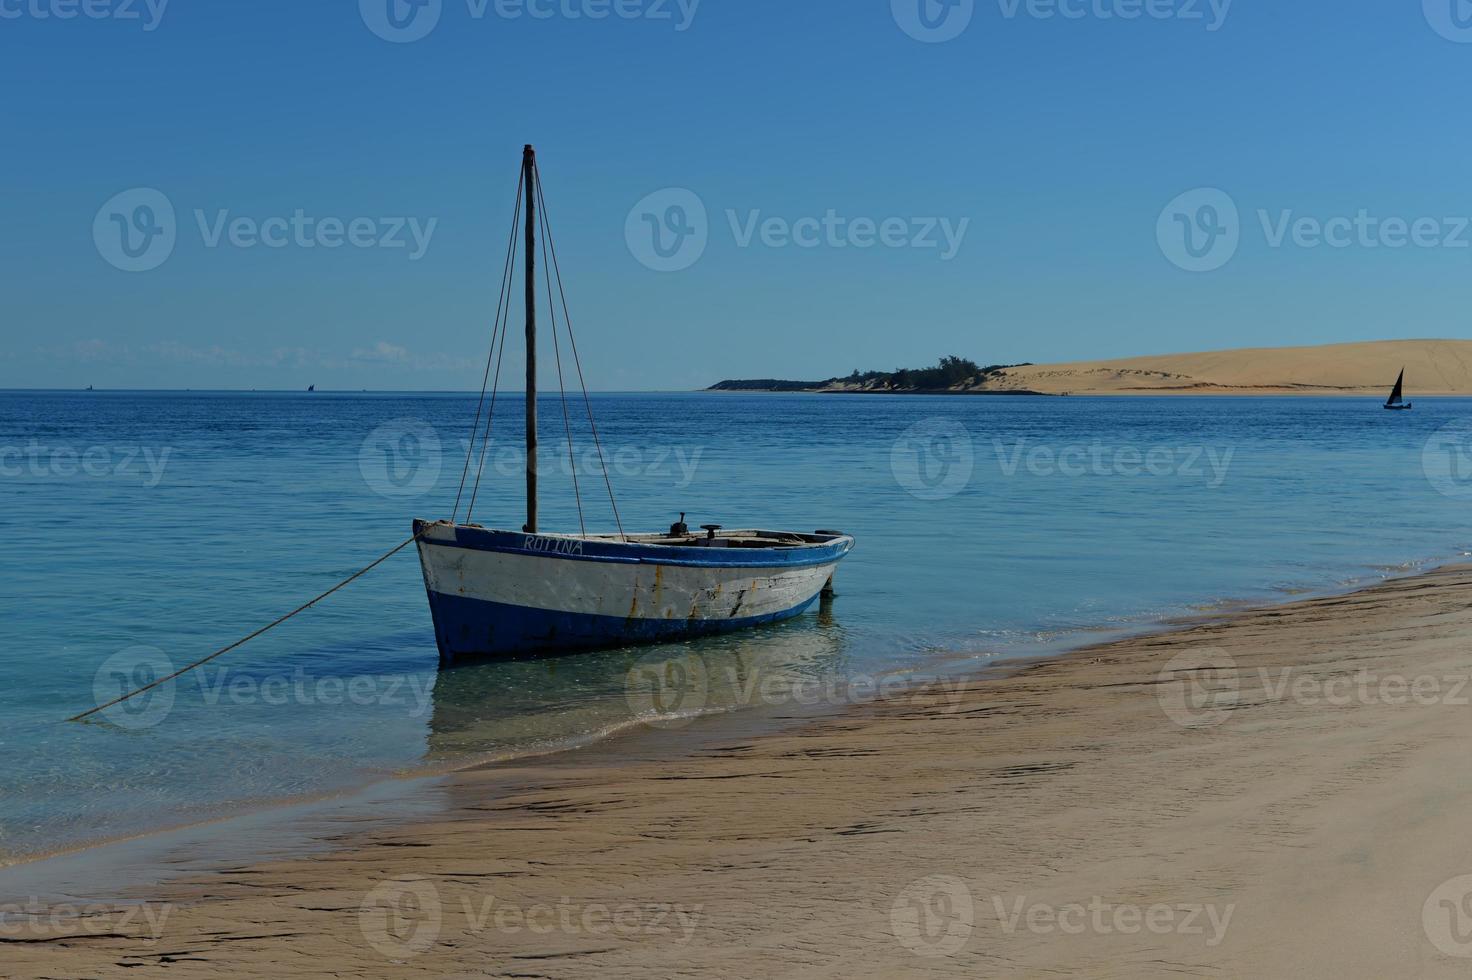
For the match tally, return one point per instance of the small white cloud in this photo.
(381, 352)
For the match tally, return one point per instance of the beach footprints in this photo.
(1446, 460)
(402, 917)
(933, 459)
(934, 916)
(667, 692)
(1446, 917)
(933, 21)
(127, 671)
(1199, 231)
(1197, 688)
(667, 231)
(400, 458)
(136, 230)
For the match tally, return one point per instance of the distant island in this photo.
(953, 375)
(1433, 367)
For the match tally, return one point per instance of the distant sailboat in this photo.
(1394, 402)
(311, 387)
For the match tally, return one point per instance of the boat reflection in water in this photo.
(506, 709)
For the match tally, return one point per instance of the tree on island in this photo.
(951, 371)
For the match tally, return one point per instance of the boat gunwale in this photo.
(822, 550)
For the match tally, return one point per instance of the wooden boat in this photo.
(504, 594)
(1395, 403)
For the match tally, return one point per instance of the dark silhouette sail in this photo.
(1394, 402)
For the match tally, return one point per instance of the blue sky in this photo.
(1052, 147)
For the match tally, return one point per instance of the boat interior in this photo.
(708, 536)
(712, 536)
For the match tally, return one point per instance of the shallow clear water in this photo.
(177, 522)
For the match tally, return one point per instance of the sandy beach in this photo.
(1278, 792)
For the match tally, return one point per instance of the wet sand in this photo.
(1280, 792)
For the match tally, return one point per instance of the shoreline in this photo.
(801, 847)
(979, 663)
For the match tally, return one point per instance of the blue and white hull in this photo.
(507, 594)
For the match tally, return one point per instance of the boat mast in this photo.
(529, 176)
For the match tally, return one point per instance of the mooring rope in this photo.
(244, 640)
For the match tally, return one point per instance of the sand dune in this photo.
(1433, 367)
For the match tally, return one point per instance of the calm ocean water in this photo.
(146, 529)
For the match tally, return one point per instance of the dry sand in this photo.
(1096, 815)
(1433, 367)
